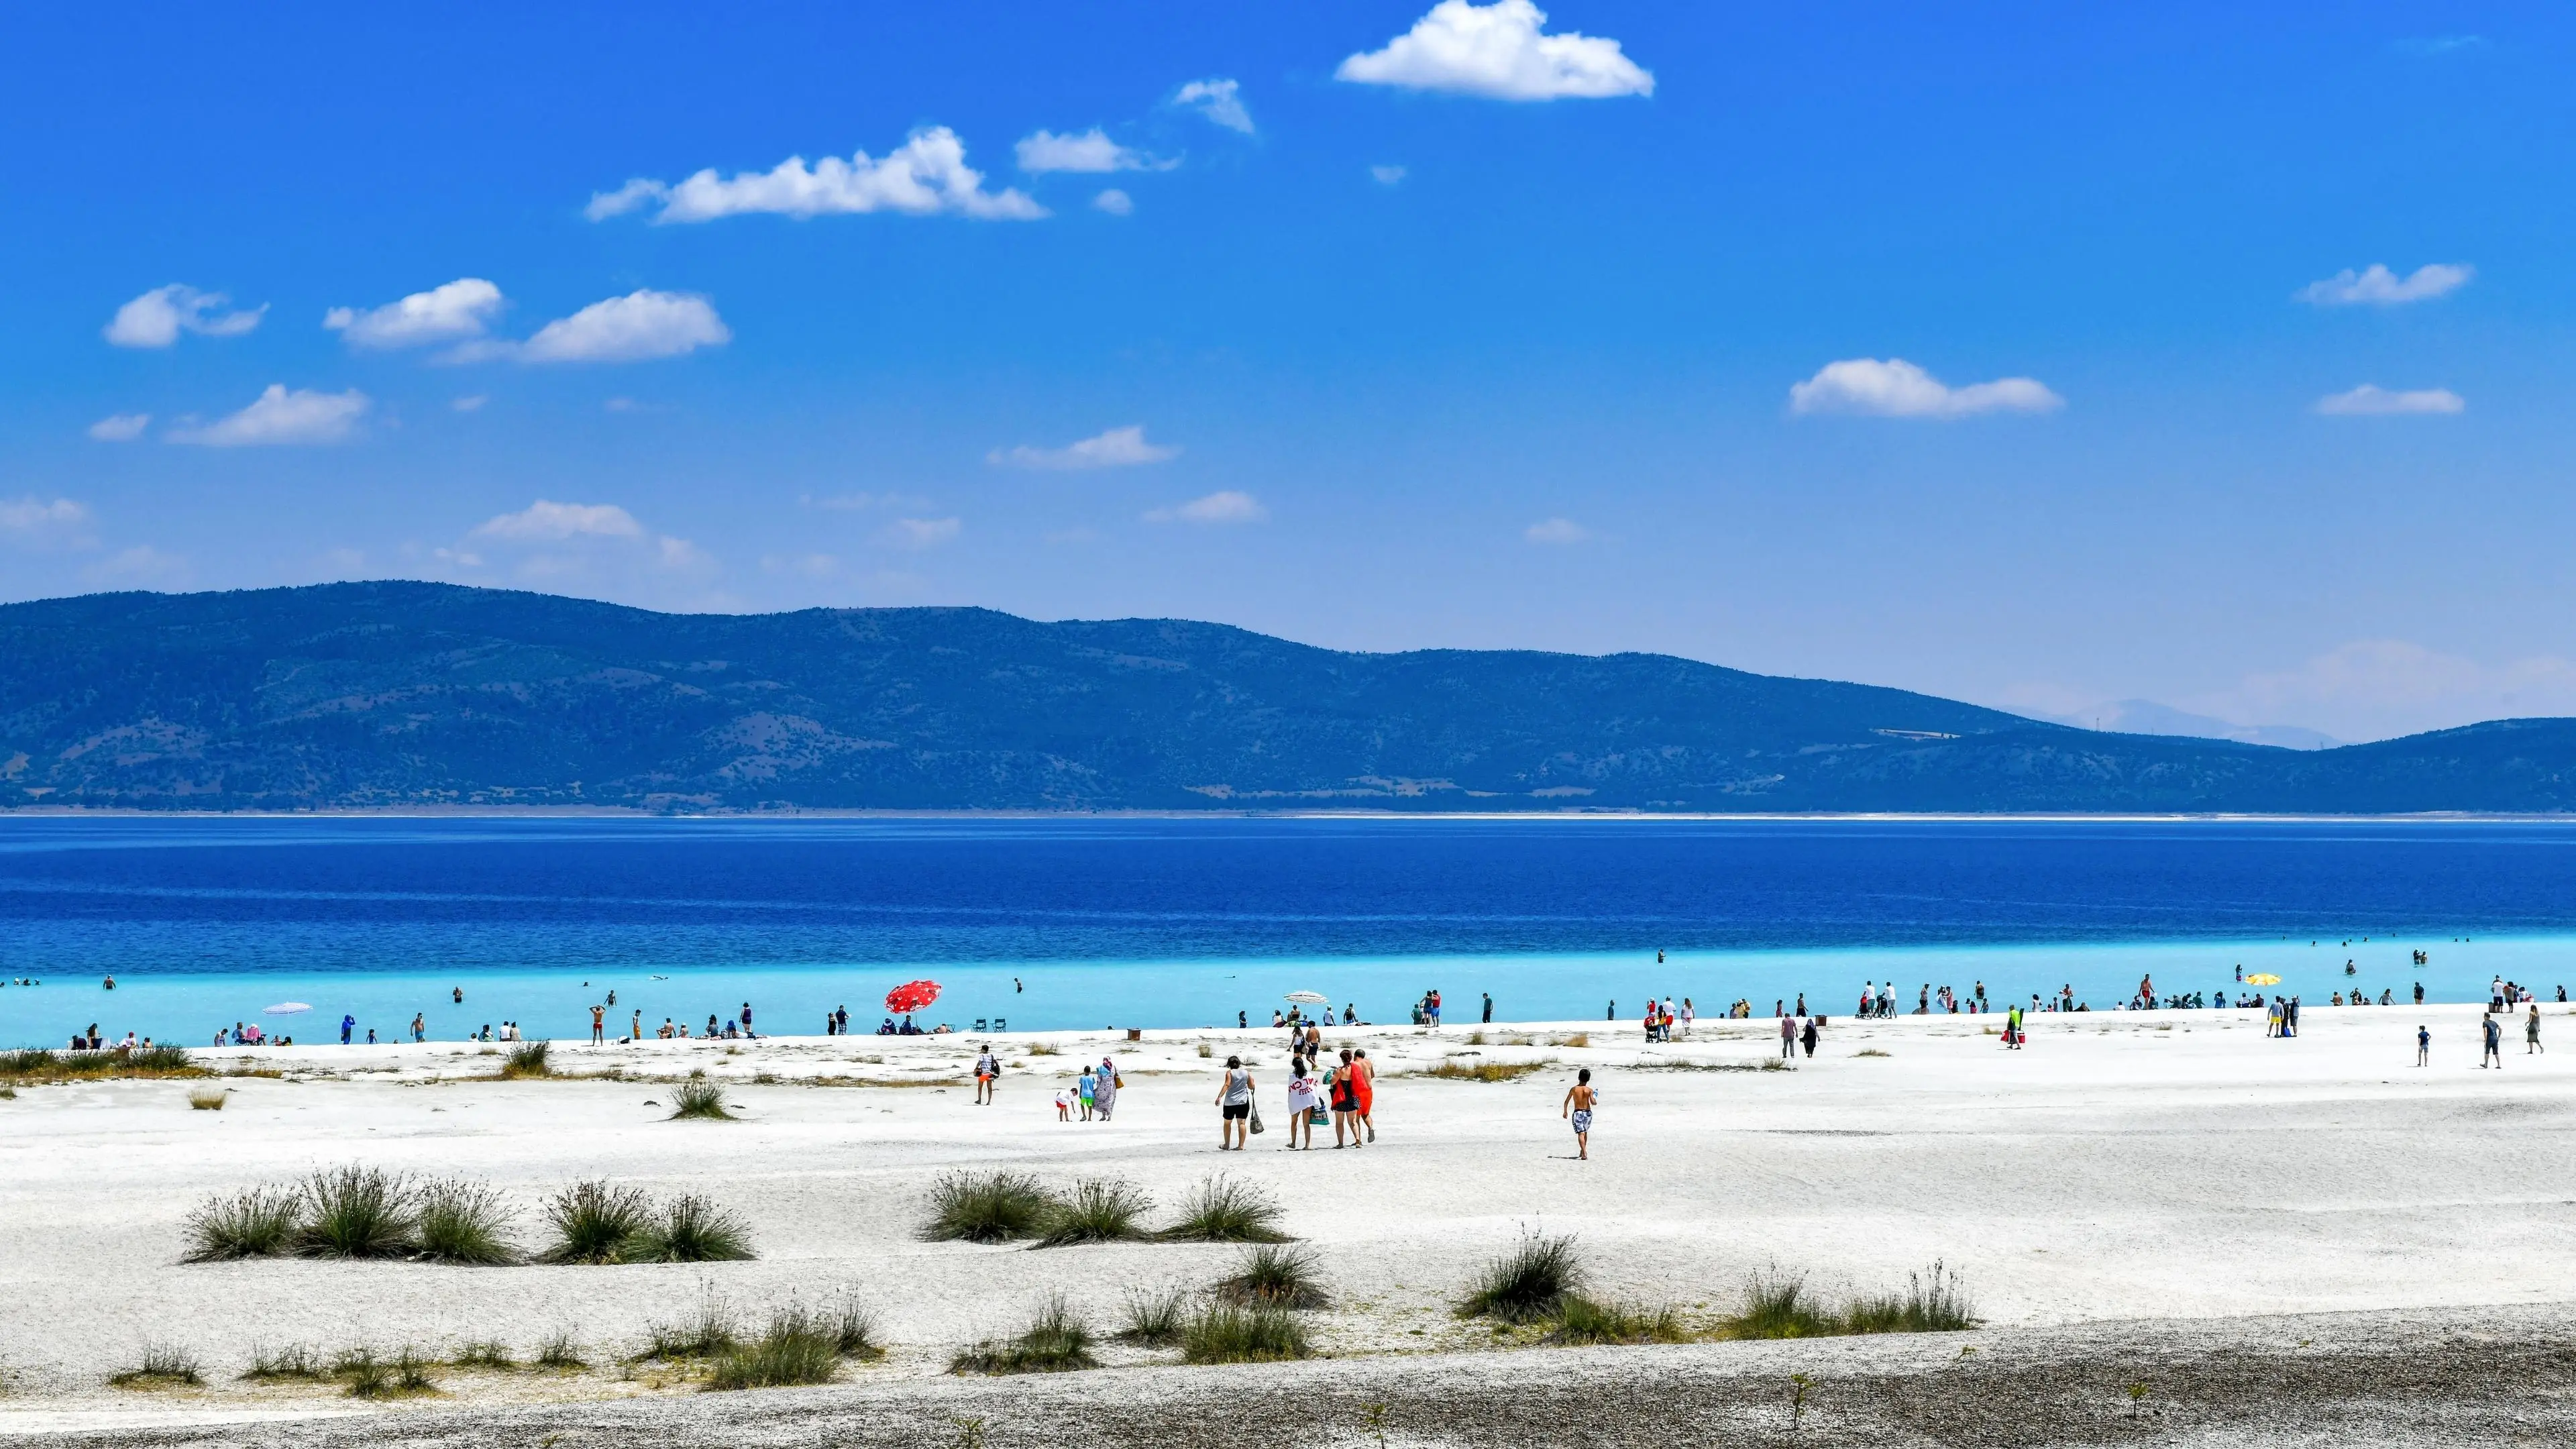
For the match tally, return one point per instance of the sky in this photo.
(2041, 356)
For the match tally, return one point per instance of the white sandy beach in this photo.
(2170, 1165)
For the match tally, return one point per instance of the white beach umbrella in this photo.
(1310, 998)
(284, 1008)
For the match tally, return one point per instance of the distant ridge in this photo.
(393, 694)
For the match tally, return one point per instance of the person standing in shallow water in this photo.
(1579, 1101)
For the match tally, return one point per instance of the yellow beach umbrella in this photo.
(2264, 978)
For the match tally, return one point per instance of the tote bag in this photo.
(1256, 1118)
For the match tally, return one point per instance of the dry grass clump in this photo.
(1585, 1320)
(293, 1361)
(1933, 1302)
(161, 1366)
(1526, 1284)
(528, 1059)
(1056, 1340)
(1578, 1039)
(704, 1334)
(1098, 1210)
(691, 1230)
(1037, 1049)
(463, 1222)
(356, 1212)
(698, 1097)
(257, 1222)
(1279, 1277)
(155, 1061)
(593, 1221)
(484, 1353)
(1870, 1052)
(1236, 1333)
(1777, 1305)
(1223, 1210)
(1454, 1070)
(207, 1099)
(987, 1207)
(798, 1347)
(1155, 1316)
(1206, 1051)
(370, 1377)
(561, 1351)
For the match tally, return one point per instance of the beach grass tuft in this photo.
(987, 1207)
(1056, 1340)
(411, 1372)
(854, 1331)
(797, 1347)
(1870, 1052)
(1281, 1277)
(1155, 1316)
(206, 1099)
(1586, 1320)
(1098, 1210)
(292, 1361)
(593, 1221)
(485, 1353)
(1933, 1302)
(561, 1351)
(160, 1366)
(691, 1230)
(1528, 1283)
(706, 1333)
(1454, 1070)
(366, 1375)
(463, 1222)
(1777, 1305)
(528, 1059)
(1223, 1210)
(1206, 1051)
(1239, 1333)
(698, 1097)
(1038, 1049)
(1579, 1039)
(356, 1212)
(257, 1222)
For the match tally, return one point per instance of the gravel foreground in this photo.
(2486, 1376)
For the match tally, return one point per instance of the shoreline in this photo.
(630, 812)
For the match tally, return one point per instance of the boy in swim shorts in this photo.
(1579, 1101)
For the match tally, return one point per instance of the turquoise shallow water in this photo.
(1175, 923)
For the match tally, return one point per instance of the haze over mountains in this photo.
(398, 694)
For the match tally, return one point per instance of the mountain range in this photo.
(372, 695)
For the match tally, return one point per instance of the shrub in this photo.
(797, 1348)
(463, 1222)
(698, 1097)
(593, 1222)
(704, 1334)
(1234, 1333)
(486, 1353)
(1096, 1211)
(1933, 1304)
(206, 1099)
(161, 1366)
(854, 1332)
(294, 1361)
(987, 1207)
(691, 1230)
(356, 1212)
(1222, 1210)
(164, 1058)
(1155, 1316)
(1055, 1341)
(528, 1059)
(1776, 1305)
(1452, 1069)
(1206, 1051)
(256, 1222)
(33, 1062)
(1584, 1320)
(1528, 1283)
(561, 1351)
(1280, 1277)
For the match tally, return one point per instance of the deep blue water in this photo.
(1183, 922)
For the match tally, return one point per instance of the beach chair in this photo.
(1001, 1023)
(979, 1025)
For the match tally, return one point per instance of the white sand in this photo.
(2173, 1164)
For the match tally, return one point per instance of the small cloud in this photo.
(156, 318)
(1498, 51)
(1559, 531)
(918, 533)
(1387, 175)
(2377, 286)
(621, 405)
(1895, 388)
(120, 427)
(141, 565)
(1216, 508)
(545, 521)
(679, 553)
(472, 403)
(638, 327)
(33, 522)
(2369, 401)
(1221, 101)
(2440, 44)
(447, 313)
(1115, 202)
(1088, 151)
(802, 565)
(924, 176)
(279, 417)
(1116, 448)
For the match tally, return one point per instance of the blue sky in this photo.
(2000, 351)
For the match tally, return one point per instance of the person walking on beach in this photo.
(2494, 1034)
(1301, 1106)
(1346, 1103)
(2531, 1032)
(1083, 1087)
(1788, 1036)
(1807, 1038)
(987, 1067)
(1234, 1107)
(598, 1023)
(2423, 1045)
(1365, 1090)
(1579, 1101)
(1104, 1093)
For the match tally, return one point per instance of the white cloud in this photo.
(120, 427)
(1221, 101)
(472, 403)
(1225, 507)
(545, 521)
(2379, 286)
(679, 553)
(1895, 388)
(1115, 202)
(802, 565)
(447, 313)
(140, 565)
(1387, 175)
(919, 533)
(156, 318)
(1090, 151)
(1116, 448)
(1496, 50)
(33, 522)
(926, 175)
(1556, 531)
(2375, 688)
(2369, 401)
(279, 417)
(637, 327)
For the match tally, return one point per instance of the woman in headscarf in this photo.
(1104, 1092)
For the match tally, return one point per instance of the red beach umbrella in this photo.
(912, 996)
